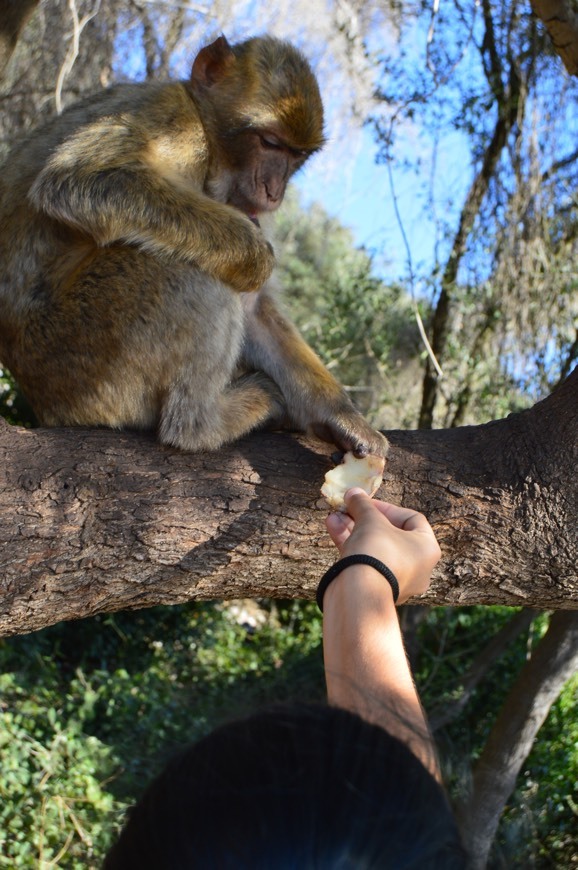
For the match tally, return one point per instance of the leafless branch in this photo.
(78, 25)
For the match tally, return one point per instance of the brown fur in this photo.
(126, 226)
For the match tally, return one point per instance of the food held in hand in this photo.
(365, 473)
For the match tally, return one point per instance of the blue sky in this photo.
(360, 196)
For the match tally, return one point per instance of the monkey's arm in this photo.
(315, 401)
(98, 181)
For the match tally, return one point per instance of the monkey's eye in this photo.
(269, 141)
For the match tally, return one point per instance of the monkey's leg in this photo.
(205, 422)
(129, 340)
(314, 399)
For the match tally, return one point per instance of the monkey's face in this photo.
(263, 163)
(261, 107)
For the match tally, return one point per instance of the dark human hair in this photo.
(292, 788)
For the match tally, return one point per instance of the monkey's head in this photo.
(261, 108)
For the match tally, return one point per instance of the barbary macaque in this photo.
(133, 268)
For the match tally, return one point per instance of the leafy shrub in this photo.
(91, 710)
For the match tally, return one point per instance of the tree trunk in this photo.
(509, 105)
(541, 680)
(561, 21)
(14, 15)
(94, 521)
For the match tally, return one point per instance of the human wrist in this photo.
(361, 576)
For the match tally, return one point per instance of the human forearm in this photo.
(365, 662)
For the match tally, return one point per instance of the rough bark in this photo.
(561, 21)
(14, 15)
(95, 521)
(541, 680)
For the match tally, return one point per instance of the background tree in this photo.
(362, 327)
(503, 297)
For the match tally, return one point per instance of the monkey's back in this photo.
(30, 241)
(74, 312)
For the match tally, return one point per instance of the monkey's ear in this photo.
(212, 62)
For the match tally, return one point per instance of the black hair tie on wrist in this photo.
(357, 559)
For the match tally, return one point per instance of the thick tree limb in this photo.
(561, 21)
(95, 521)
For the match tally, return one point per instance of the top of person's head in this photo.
(292, 788)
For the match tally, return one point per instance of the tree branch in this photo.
(78, 25)
(510, 103)
(561, 22)
(96, 521)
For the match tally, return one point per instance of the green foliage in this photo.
(360, 326)
(54, 805)
(13, 405)
(91, 710)
(544, 807)
(341, 306)
(539, 823)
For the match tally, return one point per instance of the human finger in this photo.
(339, 526)
(404, 518)
(358, 503)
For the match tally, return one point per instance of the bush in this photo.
(91, 710)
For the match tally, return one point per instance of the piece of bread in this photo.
(366, 473)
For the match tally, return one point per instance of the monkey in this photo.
(134, 272)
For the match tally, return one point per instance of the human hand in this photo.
(401, 538)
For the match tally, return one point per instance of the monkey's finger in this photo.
(361, 451)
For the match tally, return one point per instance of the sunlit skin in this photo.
(366, 665)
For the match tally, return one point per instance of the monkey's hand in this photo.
(246, 261)
(315, 401)
(351, 432)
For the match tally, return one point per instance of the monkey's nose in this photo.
(274, 191)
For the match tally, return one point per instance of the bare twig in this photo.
(78, 25)
(429, 41)
(417, 315)
(175, 4)
(430, 36)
